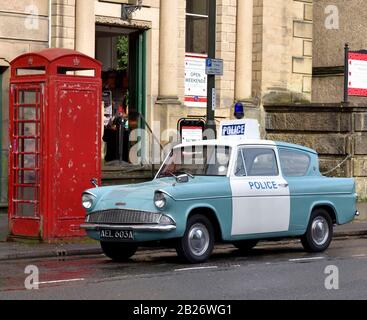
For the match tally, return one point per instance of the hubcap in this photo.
(320, 231)
(198, 239)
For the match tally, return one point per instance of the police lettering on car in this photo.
(263, 185)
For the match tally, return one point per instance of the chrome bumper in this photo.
(141, 228)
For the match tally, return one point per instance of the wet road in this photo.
(272, 271)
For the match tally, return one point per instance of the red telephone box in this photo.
(55, 134)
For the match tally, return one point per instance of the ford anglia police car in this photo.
(236, 192)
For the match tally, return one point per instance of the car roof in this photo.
(236, 143)
(228, 143)
(295, 146)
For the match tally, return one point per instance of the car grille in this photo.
(124, 217)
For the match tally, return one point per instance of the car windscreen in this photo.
(197, 161)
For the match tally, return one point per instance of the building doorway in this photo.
(122, 52)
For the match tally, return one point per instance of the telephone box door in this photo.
(25, 161)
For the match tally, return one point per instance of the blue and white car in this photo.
(236, 192)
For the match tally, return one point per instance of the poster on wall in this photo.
(195, 80)
(357, 74)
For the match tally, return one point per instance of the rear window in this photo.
(294, 163)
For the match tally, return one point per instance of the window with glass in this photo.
(197, 161)
(294, 163)
(197, 19)
(256, 162)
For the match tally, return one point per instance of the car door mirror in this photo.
(184, 178)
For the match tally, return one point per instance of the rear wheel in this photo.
(197, 244)
(245, 246)
(319, 232)
(118, 251)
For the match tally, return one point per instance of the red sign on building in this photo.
(357, 74)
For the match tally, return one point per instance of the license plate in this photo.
(116, 235)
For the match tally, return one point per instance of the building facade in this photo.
(270, 48)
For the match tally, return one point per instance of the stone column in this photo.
(168, 51)
(243, 87)
(85, 27)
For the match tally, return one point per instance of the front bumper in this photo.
(138, 228)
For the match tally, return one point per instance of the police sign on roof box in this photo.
(239, 129)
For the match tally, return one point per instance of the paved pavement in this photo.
(15, 250)
(272, 271)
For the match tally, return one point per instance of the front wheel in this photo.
(118, 251)
(197, 244)
(319, 232)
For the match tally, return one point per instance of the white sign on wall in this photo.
(192, 134)
(195, 80)
(357, 74)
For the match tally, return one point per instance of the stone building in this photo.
(267, 47)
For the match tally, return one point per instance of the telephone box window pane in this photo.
(26, 193)
(27, 161)
(27, 129)
(28, 97)
(27, 145)
(25, 209)
(27, 114)
(27, 177)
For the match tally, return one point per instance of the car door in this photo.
(260, 195)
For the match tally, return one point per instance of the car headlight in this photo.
(87, 200)
(160, 200)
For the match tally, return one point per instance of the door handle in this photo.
(283, 185)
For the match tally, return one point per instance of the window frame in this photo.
(242, 147)
(195, 15)
(295, 151)
(203, 146)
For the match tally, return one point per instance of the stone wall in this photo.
(63, 24)
(333, 130)
(336, 22)
(226, 50)
(257, 48)
(286, 63)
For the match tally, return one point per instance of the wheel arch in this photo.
(328, 207)
(211, 214)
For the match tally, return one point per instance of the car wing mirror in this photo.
(184, 178)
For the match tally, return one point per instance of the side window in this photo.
(294, 163)
(256, 162)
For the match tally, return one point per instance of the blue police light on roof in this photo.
(239, 110)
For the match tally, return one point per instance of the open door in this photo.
(137, 79)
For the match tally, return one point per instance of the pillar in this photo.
(85, 27)
(243, 87)
(168, 50)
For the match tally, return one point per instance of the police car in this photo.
(237, 191)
